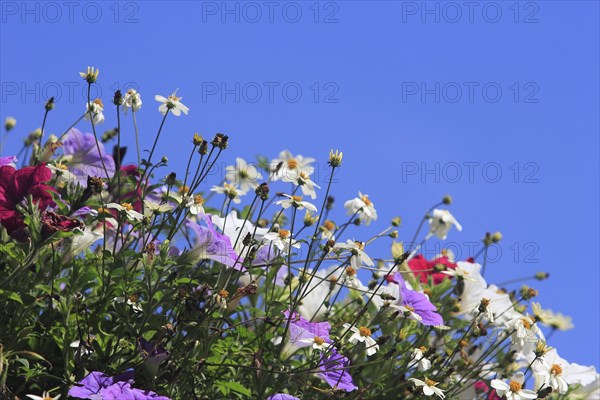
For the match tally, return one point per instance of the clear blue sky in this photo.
(496, 104)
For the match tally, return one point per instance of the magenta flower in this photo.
(83, 158)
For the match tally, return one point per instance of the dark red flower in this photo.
(423, 268)
(15, 187)
(52, 222)
(128, 194)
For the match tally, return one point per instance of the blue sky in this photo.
(496, 104)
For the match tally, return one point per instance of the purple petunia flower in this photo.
(302, 332)
(95, 381)
(213, 245)
(418, 303)
(282, 396)
(11, 161)
(99, 386)
(334, 371)
(81, 154)
(153, 354)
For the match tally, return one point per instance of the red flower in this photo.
(52, 222)
(423, 268)
(15, 187)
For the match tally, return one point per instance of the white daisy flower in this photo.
(306, 184)
(195, 204)
(243, 174)
(460, 273)
(296, 201)
(135, 306)
(44, 396)
(514, 389)
(362, 334)
(231, 191)
(440, 223)
(133, 100)
(62, 173)
(552, 319)
(423, 363)
(152, 207)
(359, 257)
(127, 208)
(525, 334)
(429, 387)
(290, 167)
(318, 343)
(171, 103)
(96, 107)
(327, 230)
(363, 206)
(281, 240)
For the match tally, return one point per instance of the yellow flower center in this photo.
(556, 369)
(223, 293)
(297, 199)
(127, 206)
(515, 387)
(184, 189)
(350, 271)
(526, 323)
(292, 163)
(329, 225)
(284, 233)
(319, 340)
(365, 199)
(360, 245)
(423, 349)
(409, 308)
(61, 166)
(364, 331)
(99, 103)
(198, 199)
(304, 176)
(174, 98)
(430, 382)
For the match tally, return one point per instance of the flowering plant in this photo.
(119, 284)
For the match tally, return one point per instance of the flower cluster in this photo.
(253, 287)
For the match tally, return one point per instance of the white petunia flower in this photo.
(429, 387)
(231, 191)
(133, 100)
(423, 363)
(127, 208)
(290, 167)
(44, 396)
(514, 389)
(306, 184)
(236, 229)
(363, 335)
(243, 174)
(281, 240)
(440, 223)
(171, 103)
(363, 206)
(296, 201)
(359, 257)
(96, 107)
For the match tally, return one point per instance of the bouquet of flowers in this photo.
(121, 281)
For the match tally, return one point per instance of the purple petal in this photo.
(85, 159)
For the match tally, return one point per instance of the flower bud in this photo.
(117, 98)
(262, 191)
(197, 139)
(203, 149)
(220, 140)
(540, 276)
(396, 221)
(393, 234)
(9, 123)
(329, 203)
(49, 104)
(496, 237)
(170, 179)
(447, 199)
